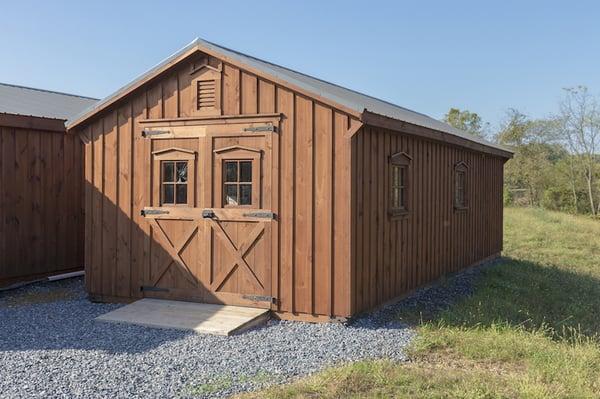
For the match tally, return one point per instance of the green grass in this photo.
(209, 388)
(530, 330)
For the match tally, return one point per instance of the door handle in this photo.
(208, 214)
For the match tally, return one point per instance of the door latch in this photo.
(208, 214)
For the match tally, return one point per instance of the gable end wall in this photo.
(311, 268)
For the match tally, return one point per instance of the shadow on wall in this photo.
(54, 316)
(124, 257)
(164, 256)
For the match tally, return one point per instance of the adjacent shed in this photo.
(41, 184)
(218, 177)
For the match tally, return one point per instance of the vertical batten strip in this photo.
(323, 205)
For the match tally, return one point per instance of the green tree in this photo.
(466, 120)
(515, 130)
(580, 117)
(556, 161)
(532, 168)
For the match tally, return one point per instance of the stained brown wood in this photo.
(32, 123)
(332, 249)
(384, 122)
(41, 219)
(433, 238)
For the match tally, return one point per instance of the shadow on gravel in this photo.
(514, 292)
(425, 303)
(57, 316)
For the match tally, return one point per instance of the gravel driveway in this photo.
(50, 346)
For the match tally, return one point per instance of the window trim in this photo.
(238, 153)
(173, 154)
(403, 161)
(463, 168)
(174, 183)
(237, 183)
(204, 70)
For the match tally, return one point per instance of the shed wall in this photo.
(394, 255)
(41, 216)
(311, 263)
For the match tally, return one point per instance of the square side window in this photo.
(173, 181)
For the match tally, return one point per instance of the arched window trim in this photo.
(175, 156)
(399, 204)
(461, 186)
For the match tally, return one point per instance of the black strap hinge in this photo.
(263, 215)
(265, 128)
(153, 289)
(146, 212)
(260, 298)
(147, 133)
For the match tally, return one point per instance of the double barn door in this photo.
(210, 215)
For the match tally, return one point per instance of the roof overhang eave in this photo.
(372, 119)
(195, 46)
(135, 84)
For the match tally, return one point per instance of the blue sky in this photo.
(427, 55)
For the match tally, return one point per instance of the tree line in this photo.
(556, 163)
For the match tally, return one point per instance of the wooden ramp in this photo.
(201, 318)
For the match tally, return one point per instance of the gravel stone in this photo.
(50, 346)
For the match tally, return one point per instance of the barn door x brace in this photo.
(210, 214)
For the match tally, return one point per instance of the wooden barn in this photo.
(221, 178)
(41, 184)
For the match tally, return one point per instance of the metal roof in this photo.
(345, 97)
(20, 100)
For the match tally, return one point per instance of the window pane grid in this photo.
(398, 188)
(459, 189)
(174, 179)
(237, 184)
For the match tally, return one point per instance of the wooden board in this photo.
(394, 255)
(41, 192)
(335, 249)
(310, 156)
(200, 318)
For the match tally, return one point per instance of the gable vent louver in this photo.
(207, 94)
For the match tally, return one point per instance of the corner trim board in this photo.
(354, 128)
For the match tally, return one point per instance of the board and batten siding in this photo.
(394, 255)
(41, 215)
(310, 273)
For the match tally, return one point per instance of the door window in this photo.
(174, 182)
(237, 183)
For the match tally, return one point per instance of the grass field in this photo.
(530, 330)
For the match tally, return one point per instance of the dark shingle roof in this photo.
(20, 100)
